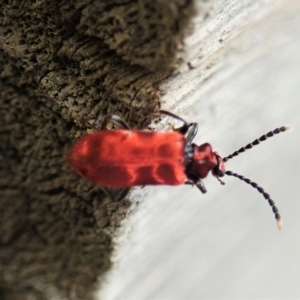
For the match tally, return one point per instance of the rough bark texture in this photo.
(62, 62)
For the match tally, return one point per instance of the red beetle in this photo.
(125, 158)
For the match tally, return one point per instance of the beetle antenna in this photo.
(260, 190)
(222, 182)
(257, 141)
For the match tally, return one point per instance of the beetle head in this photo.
(220, 168)
(206, 160)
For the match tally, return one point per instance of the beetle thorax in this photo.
(204, 160)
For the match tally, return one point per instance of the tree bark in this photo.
(62, 63)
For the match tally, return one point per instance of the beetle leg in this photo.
(119, 122)
(183, 129)
(88, 124)
(116, 120)
(192, 133)
(115, 197)
(107, 193)
(189, 183)
(199, 184)
(121, 194)
(165, 112)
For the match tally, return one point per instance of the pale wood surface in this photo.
(180, 244)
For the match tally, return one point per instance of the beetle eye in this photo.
(221, 173)
(217, 172)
